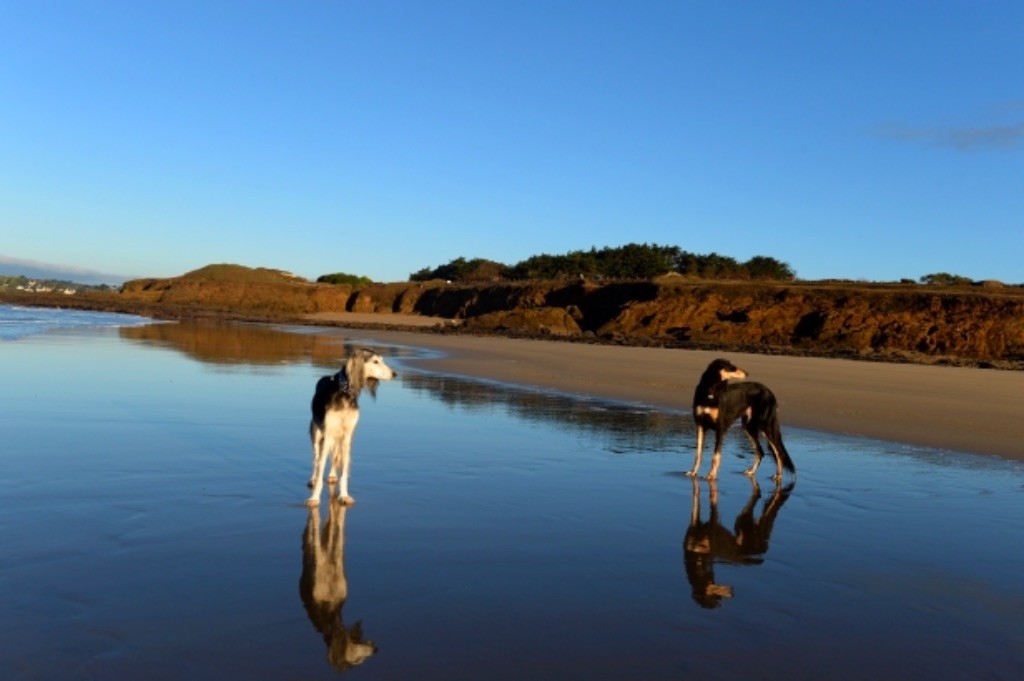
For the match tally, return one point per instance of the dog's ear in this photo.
(352, 368)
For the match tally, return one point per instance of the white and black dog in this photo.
(335, 415)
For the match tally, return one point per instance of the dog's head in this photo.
(347, 649)
(374, 367)
(711, 595)
(366, 368)
(723, 370)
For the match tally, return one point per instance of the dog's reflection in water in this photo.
(708, 542)
(324, 588)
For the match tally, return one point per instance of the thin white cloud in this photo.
(962, 139)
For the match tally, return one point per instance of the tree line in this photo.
(632, 261)
(344, 279)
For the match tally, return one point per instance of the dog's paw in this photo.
(690, 474)
(749, 472)
(346, 501)
(312, 503)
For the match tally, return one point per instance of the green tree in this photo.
(343, 279)
(631, 261)
(763, 267)
(637, 261)
(944, 279)
(460, 269)
(709, 266)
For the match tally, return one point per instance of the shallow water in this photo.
(151, 509)
(17, 321)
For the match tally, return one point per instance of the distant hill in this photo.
(240, 274)
(41, 285)
(237, 289)
(17, 267)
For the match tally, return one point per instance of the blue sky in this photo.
(860, 140)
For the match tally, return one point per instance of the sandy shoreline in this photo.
(960, 409)
(382, 318)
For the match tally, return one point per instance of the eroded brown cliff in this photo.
(844, 319)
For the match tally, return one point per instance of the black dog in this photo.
(716, 406)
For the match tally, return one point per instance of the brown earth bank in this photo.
(971, 326)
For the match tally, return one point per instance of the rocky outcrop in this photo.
(853, 319)
(834, 321)
(540, 321)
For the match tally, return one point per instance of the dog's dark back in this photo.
(330, 393)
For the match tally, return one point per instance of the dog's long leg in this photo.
(758, 451)
(332, 475)
(319, 463)
(695, 506)
(700, 448)
(778, 460)
(716, 458)
(316, 439)
(345, 455)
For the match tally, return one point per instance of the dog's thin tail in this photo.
(776, 437)
(787, 462)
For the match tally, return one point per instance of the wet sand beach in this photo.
(154, 527)
(961, 409)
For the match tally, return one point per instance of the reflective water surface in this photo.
(17, 321)
(151, 509)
